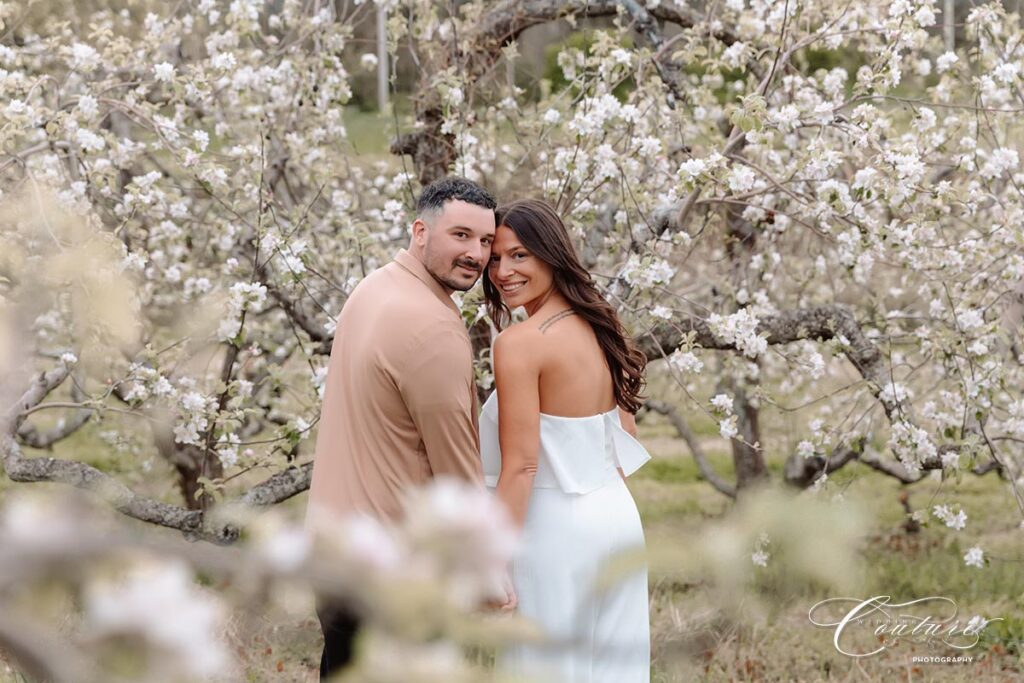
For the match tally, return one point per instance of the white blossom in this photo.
(970, 319)
(88, 106)
(90, 141)
(741, 178)
(84, 57)
(945, 61)
(686, 361)
(925, 17)
(727, 427)
(647, 272)
(1000, 161)
(953, 520)
(243, 296)
(663, 312)
(975, 557)
(722, 402)
(740, 329)
(202, 139)
(163, 72)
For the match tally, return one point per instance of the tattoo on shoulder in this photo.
(554, 319)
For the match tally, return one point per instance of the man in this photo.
(399, 403)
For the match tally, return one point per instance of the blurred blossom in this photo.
(760, 555)
(388, 660)
(364, 542)
(284, 546)
(34, 522)
(160, 602)
(464, 532)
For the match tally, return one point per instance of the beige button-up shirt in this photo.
(399, 402)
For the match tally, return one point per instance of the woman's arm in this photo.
(517, 376)
(628, 421)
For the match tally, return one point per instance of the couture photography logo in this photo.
(868, 627)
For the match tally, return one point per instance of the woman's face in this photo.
(517, 274)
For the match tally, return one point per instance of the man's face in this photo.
(455, 243)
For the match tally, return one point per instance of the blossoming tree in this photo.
(811, 202)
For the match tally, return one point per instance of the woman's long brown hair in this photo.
(542, 233)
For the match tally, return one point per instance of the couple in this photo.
(554, 442)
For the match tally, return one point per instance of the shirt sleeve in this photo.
(437, 387)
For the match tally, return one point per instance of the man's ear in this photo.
(419, 232)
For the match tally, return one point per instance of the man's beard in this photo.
(449, 281)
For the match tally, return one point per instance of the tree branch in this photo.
(684, 432)
(433, 152)
(193, 523)
(817, 322)
(30, 436)
(315, 331)
(821, 323)
(41, 386)
(510, 18)
(802, 472)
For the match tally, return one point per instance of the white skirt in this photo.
(597, 634)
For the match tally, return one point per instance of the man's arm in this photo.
(437, 386)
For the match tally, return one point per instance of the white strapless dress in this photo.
(580, 515)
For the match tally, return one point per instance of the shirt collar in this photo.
(414, 266)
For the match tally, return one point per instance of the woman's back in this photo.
(574, 378)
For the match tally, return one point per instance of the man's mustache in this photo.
(472, 265)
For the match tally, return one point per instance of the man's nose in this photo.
(477, 252)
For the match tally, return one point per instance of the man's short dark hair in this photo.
(453, 187)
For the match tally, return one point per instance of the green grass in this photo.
(370, 132)
(779, 643)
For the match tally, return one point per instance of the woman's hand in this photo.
(510, 600)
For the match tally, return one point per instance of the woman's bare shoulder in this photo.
(516, 337)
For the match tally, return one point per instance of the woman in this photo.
(555, 448)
